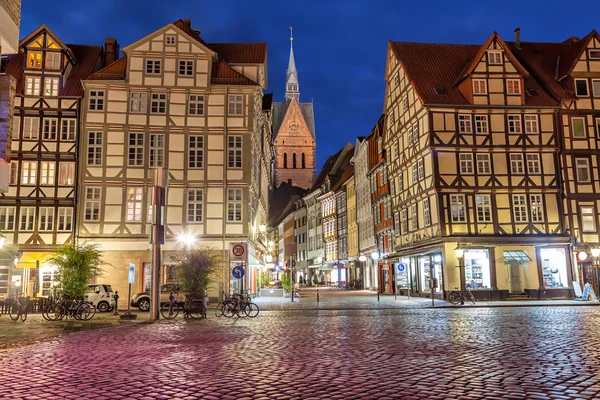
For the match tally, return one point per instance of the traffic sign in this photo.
(238, 272)
(237, 251)
(131, 273)
(401, 267)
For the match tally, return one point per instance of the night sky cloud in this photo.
(340, 46)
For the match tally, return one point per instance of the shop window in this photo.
(477, 269)
(427, 265)
(554, 268)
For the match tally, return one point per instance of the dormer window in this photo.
(170, 40)
(34, 59)
(594, 54)
(53, 60)
(494, 57)
(51, 87)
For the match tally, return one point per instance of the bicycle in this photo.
(18, 308)
(456, 296)
(237, 304)
(191, 308)
(79, 309)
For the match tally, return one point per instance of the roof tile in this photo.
(241, 53)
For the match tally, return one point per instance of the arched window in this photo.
(294, 160)
(284, 160)
(303, 161)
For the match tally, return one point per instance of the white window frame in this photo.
(235, 104)
(16, 128)
(420, 169)
(484, 166)
(536, 202)
(68, 129)
(588, 219)
(426, 212)
(235, 145)
(33, 86)
(234, 204)
(583, 134)
(514, 123)
(171, 40)
(415, 218)
(483, 203)
(135, 199)
(533, 163)
(64, 222)
(157, 150)
(587, 88)
(66, 174)
(481, 124)
(26, 219)
(47, 173)
(14, 175)
(29, 172)
(513, 86)
(495, 57)
(466, 163)
(596, 85)
(457, 208)
(519, 206)
(596, 53)
(7, 218)
(196, 104)
(53, 60)
(465, 125)
(95, 145)
(135, 149)
(158, 104)
(50, 129)
(188, 68)
(582, 165)
(404, 220)
(96, 100)
(153, 66)
(93, 197)
(51, 86)
(195, 206)
(479, 86)
(31, 128)
(531, 123)
(516, 163)
(195, 152)
(138, 102)
(46, 219)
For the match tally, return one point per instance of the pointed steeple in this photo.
(292, 87)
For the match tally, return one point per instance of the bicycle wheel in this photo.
(229, 310)
(196, 309)
(14, 312)
(169, 310)
(56, 312)
(24, 314)
(471, 297)
(454, 298)
(89, 311)
(251, 310)
(82, 312)
(219, 310)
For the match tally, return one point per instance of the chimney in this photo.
(518, 37)
(290, 182)
(188, 22)
(111, 51)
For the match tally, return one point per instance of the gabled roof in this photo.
(38, 31)
(241, 53)
(334, 167)
(428, 66)
(88, 57)
(347, 172)
(115, 71)
(280, 110)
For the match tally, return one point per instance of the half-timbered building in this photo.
(473, 144)
(175, 101)
(38, 212)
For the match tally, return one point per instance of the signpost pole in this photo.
(128, 314)
(157, 238)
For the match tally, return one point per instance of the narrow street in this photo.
(405, 353)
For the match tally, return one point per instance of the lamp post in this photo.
(596, 254)
(460, 252)
(362, 258)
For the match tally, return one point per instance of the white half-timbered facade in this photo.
(38, 212)
(473, 159)
(177, 102)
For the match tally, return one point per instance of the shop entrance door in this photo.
(514, 271)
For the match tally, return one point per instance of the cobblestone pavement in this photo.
(494, 353)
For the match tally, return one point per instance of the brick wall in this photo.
(13, 8)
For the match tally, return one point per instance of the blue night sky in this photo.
(339, 46)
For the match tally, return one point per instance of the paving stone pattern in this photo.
(497, 353)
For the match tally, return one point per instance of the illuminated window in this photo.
(134, 204)
(426, 213)
(47, 172)
(28, 172)
(537, 208)
(66, 174)
(92, 204)
(33, 86)
(51, 87)
(34, 59)
(588, 220)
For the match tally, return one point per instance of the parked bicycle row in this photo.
(237, 304)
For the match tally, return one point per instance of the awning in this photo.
(253, 261)
(32, 259)
(518, 256)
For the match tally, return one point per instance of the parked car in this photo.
(142, 300)
(102, 296)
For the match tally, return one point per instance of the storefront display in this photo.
(477, 270)
(554, 268)
(426, 264)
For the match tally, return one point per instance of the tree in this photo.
(77, 265)
(197, 271)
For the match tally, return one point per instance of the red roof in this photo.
(87, 58)
(440, 65)
(241, 53)
(115, 71)
(223, 74)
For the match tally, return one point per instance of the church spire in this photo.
(292, 87)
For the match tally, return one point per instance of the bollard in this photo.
(116, 308)
(378, 295)
(317, 295)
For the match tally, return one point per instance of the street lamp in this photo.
(375, 256)
(262, 227)
(362, 258)
(460, 252)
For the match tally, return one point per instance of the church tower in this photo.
(294, 127)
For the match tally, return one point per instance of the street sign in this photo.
(238, 272)
(238, 251)
(401, 267)
(131, 273)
